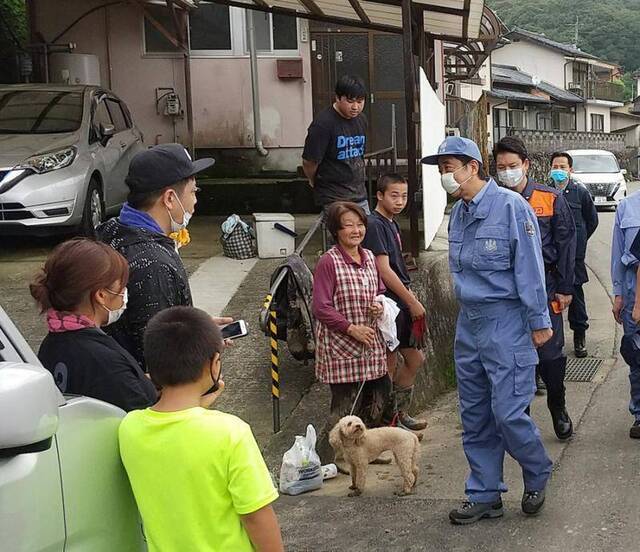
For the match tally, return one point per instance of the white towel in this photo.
(387, 322)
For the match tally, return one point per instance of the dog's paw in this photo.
(352, 487)
(404, 493)
(355, 492)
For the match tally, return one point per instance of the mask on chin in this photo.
(179, 232)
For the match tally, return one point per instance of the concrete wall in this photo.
(554, 140)
(536, 60)
(221, 86)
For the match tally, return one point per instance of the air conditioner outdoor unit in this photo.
(452, 131)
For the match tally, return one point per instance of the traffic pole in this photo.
(275, 371)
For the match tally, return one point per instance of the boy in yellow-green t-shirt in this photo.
(198, 477)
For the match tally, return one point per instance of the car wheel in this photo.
(93, 212)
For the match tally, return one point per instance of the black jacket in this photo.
(157, 280)
(584, 212)
(89, 362)
(558, 235)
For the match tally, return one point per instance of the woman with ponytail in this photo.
(82, 287)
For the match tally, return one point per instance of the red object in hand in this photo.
(418, 331)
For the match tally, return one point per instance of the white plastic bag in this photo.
(301, 469)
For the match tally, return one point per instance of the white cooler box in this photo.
(274, 242)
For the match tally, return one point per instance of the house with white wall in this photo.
(565, 67)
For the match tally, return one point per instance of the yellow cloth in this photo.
(193, 473)
(181, 238)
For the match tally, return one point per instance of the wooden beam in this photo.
(465, 18)
(261, 3)
(357, 7)
(312, 7)
(180, 32)
(157, 25)
(410, 107)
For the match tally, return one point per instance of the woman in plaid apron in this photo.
(349, 346)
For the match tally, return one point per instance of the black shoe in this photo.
(540, 386)
(579, 344)
(562, 424)
(470, 512)
(532, 502)
(634, 432)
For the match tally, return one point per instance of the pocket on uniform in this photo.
(455, 250)
(524, 373)
(492, 248)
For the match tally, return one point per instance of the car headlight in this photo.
(48, 162)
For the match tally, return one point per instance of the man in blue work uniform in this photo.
(558, 235)
(585, 216)
(625, 257)
(495, 258)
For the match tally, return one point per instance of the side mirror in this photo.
(29, 407)
(106, 132)
(623, 171)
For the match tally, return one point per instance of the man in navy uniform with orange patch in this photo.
(558, 234)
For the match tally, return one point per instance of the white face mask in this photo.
(114, 315)
(511, 177)
(176, 226)
(449, 183)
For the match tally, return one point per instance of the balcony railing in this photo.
(599, 90)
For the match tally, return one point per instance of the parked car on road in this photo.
(599, 172)
(62, 484)
(64, 154)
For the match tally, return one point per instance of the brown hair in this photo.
(178, 342)
(335, 212)
(74, 271)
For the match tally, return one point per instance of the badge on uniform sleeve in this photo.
(529, 228)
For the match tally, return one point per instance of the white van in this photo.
(600, 173)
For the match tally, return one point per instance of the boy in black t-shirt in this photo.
(333, 156)
(383, 239)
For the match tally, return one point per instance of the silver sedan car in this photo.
(64, 154)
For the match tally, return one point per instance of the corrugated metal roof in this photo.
(507, 74)
(451, 19)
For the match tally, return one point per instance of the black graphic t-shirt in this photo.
(337, 145)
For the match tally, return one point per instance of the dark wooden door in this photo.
(377, 58)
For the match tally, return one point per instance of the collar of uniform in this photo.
(528, 189)
(483, 200)
(349, 259)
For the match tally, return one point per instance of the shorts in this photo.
(404, 324)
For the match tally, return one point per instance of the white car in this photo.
(64, 154)
(599, 172)
(62, 485)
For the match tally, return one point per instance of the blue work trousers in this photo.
(630, 351)
(495, 367)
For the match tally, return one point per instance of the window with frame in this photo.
(544, 121)
(597, 122)
(154, 41)
(210, 28)
(119, 119)
(517, 118)
(273, 32)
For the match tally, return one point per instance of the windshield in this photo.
(40, 111)
(595, 163)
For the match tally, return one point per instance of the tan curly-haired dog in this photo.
(361, 446)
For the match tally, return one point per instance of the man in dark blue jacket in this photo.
(558, 235)
(586, 219)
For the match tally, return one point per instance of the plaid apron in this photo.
(339, 357)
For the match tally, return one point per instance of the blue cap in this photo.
(454, 145)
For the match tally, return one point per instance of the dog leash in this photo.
(353, 406)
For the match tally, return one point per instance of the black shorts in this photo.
(403, 328)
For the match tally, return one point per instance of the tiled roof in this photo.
(569, 49)
(516, 96)
(507, 74)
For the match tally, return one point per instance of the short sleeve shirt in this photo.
(194, 472)
(383, 238)
(337, 145)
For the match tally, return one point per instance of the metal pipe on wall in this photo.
(255, 89)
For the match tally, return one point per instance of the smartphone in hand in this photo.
(234, 330)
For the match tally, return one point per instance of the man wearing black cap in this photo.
(151, 227)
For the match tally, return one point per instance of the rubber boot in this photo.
(403, 403)
(579, 344)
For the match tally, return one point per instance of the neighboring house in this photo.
(128, 49)
(626, 120)
(568, 69)
(519, 100)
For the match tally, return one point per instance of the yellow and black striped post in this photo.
(275, 371)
